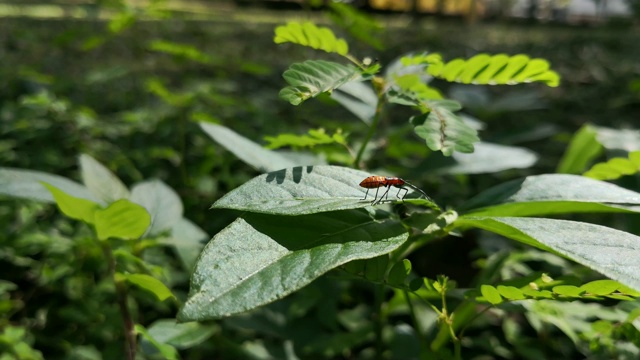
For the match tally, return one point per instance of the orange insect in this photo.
(376, 182)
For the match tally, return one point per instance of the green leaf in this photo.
(73, 207)
(167, 351)
(491, 294)
(313, 77)
(362, 26)
(444, 131)
(181, 336)
(122, 219)
(601, 287)
(375, 268)
(181, 50)
(568, 290)
(496, 70)
(552, 194)
(611, 252)
(358, 98)
(615, 168)
(260, 258)
(100, 181)
(302, 190)
(308, 34)
(510, 292)
(188, 240)
(27, 184)
(150, 284)
(483, 160)
(399, 272)
(314, 137)
(616, 139)
(252, 153)
(583, 148)
(161, 202)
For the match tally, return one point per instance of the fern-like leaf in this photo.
(313, 138)
(443, 130)
(615, 168)
(496, 70)
(312, 77)
(308, 34)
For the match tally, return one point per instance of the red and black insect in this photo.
(376, 182)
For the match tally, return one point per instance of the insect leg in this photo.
(386, 193)
(365, 195)
(405, 193)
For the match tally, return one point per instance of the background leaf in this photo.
(497, 70)
(161, 202)
(552, 194)
(615, 168)
(188, 239)
(583, 148)
(150, 284)
(252, 153)
(27, 184)
(263, 258)
(313, 77)
(101, 181)
(483, 160)
(122, 219)
(359, 98)
(181, 336)
(73, 207)
(611, 252)
(308, 34)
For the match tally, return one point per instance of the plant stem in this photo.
(379, 293)
(121, 298)
(372, 130)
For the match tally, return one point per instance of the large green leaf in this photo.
(27, 184)
(611, 252)
(443, 130)
(313, 77)
(308, 34)
(162, 203)
(496, 70)
(101, 181)
(252, 153)
(260, 258)
(122, 219)
(552, 194)
(302, 190)
(583, 148)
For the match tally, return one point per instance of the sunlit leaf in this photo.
(150, 284)
(101, 181)
(27, 184)
(496, 70)
(308, 34)
(615, 168)
(122, 219)
(583, 148)
(491, 294)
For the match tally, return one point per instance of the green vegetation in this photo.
(118, 135)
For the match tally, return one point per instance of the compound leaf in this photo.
(497, 70)
(313, 77)
(308, 34)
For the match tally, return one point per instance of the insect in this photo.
(376, 182)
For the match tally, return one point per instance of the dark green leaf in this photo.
(168, 352)
(122, 219)
(263, 258)
(399, 272)
(552, 194)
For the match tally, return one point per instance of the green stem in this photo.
(379, 294)
(372, 130)
(121, 299)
